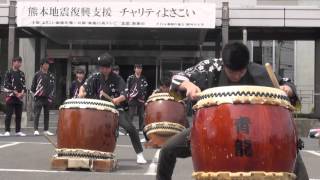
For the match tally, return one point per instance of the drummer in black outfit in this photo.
(233, 69)
(107, 85)
(77, 83)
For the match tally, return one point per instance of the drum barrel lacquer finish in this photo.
(87, 129)
(243, 137)
(165, 110)
(243, 129)
(164, 117)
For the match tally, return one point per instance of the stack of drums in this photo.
(164, 117)
(243, 132)
(86, 133)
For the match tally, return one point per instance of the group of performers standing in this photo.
(42, 88)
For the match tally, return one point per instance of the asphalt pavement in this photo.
(28, 158)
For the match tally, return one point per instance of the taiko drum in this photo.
(87, 124)
(164, 117)
(242, 129)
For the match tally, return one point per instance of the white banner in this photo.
(114, 14)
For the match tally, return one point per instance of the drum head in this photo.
(160, 96)
(84, 103)
(243, 95)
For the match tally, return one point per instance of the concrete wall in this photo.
(3, 57)
(286, 52)
(243, 3)
(4, 12)
(317, 78)
(27, 52)
(289, 2)
(304, 125)
(309, 2)
(4, 1)
(304, 73)
(277, 2)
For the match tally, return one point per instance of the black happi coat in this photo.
(209, 73)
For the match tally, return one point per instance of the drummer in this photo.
(77, 83)
(233, 69)
(109, 86)
(164, 86)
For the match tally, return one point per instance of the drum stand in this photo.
(80, 159)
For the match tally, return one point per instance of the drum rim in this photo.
(84, 103)
(88, 100)
(78, 152)
(159, 96)
(162, 96)
(243, 95)
(201, 175)
(163, 127)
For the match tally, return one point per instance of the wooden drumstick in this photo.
(50, 141)
(106, 96)
(272, 75)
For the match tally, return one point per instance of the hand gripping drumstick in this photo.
(272, 76)
(106, 96)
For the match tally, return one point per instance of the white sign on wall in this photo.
(114, 14)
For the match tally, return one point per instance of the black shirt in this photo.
(114, 86)
(137, 88)
(209, 73)
(43, 85)
(74, 89)
(224, 80)
(14, 81)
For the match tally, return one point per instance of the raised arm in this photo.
(197, 78)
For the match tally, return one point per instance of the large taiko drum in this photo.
(164, 117)
(243, 131)
(87, 128)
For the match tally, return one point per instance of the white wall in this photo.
(277, 2)
(288, 2)
(4, 13)
(236, 3)
(4, 2)
(304, 73)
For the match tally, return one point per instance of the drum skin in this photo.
(87, 129)
(165, 110)
(243, 137)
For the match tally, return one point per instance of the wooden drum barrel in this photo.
(164, 117)
(87, 127)
(243, 131)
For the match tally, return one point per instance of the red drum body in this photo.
(164, 117)
(87, 124)
(243, 129)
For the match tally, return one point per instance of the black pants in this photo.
(17, 108)
(131, 130)
(179, 146)
(300, 170)
(139, 108)
(38, 104)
